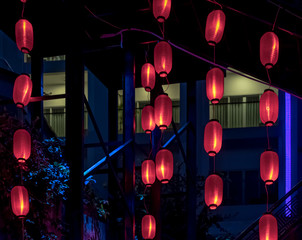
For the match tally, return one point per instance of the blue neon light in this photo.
(288, 160)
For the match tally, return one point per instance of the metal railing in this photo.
(287, 211)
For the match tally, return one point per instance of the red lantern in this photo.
(269, 49)
(269, 107)
(163, 111)
(148, 76)
(148, 172)
(215, 27)
(215, 85)
(163, 58)
(161, 9)
(213, 191)
(164, 165)
(213, 137)
(20, 201)
(148, 123)
(22, 90)
(22, 145)
(148, 227)
(24, 35)
(269, 166)
(268, 227)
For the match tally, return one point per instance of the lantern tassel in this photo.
(145, 201)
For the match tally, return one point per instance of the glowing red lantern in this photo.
(164, 165)
(20, 201)
(163, 111)
(22, 90)
(269, 166)
(268, 227)
(148, 122)
(22, 145)
(148, 172)
(215, 27)
(163, 58)
(24, 35)
(213, 137)
(148, 76)
(269, 107)
(215, 85)
(148, 227)
(269, 49)
(213, 191)
(161, 9)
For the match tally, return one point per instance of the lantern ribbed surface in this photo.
(269, 107)
(161, 9)
(269, 49)
(269, 166)
(24, 35)
(268, 227)
(213, 191)
(163, 58)
(212, 137)
(20, 201)
(164, 165)
(22, 145)
(147, 120)
(148, 172)
(163, 111)
(215, 85)
(148, 77)
(148, 227)
(22, 90)
(215, 27)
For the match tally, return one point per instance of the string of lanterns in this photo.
(160, 115)
(22, 139)
(213, 190)
(269, 110)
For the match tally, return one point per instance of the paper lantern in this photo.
(24, 35)
(269, 166)
(148, 172)
(163, 111)
(20, 201)
(148, 122)
(215, 27)
(213, 191)
(269, 49)
(269, 107)
(161, 9)
(22, 145)
(212, 137)
(148, 77)
(268, 227)
(148, 227)
(215, 85)
(164, 165)
(163, 58)
(22, 90)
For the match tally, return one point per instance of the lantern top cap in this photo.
(214, 120)
(26, 74)
(269, 150)
(268, 89)
(163, 93)
(148, 105)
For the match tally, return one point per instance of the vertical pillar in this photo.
(156, 186)
(191, 161)
(37, 80)
(113, 190)
(75, 117)
(129, 132)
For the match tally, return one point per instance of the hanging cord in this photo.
(269, 78)
(168, 84)
(22, 223)
(267, 135)
(161, 137)
(214, 115)
(214, 166)
(276, 18)
(23, 7)
(266, 197)
(161, 30)
(214, 53)
(145, 200)
(151, 146)
(214, 1)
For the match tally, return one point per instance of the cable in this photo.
(267, 135)
(214, 1)
(145, 201)
(266, 197)
(276, 19)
